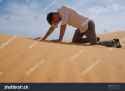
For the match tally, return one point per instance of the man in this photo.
(85, 32)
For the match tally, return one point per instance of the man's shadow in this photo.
(107, 43)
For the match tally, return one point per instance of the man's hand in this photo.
(51, 29)
(56, 40)
(62, 31)
(41, 39)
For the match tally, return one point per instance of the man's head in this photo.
(53, 18)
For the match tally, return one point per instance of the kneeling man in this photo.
(85, 28)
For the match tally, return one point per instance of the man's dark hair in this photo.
(49, 17)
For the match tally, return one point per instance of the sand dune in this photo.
(26, 60)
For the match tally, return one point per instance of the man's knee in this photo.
(76, 36)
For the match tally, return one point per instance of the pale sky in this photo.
(28, 17)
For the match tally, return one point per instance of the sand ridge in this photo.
(26, 60)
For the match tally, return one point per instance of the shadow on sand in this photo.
(115, 43)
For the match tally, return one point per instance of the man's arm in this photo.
(62, 32)
(51, 29)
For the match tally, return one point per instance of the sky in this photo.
(28, 17)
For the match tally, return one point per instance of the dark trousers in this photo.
(90, 34)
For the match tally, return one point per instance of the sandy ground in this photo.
(26, 60)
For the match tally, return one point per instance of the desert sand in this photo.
(26, 60)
